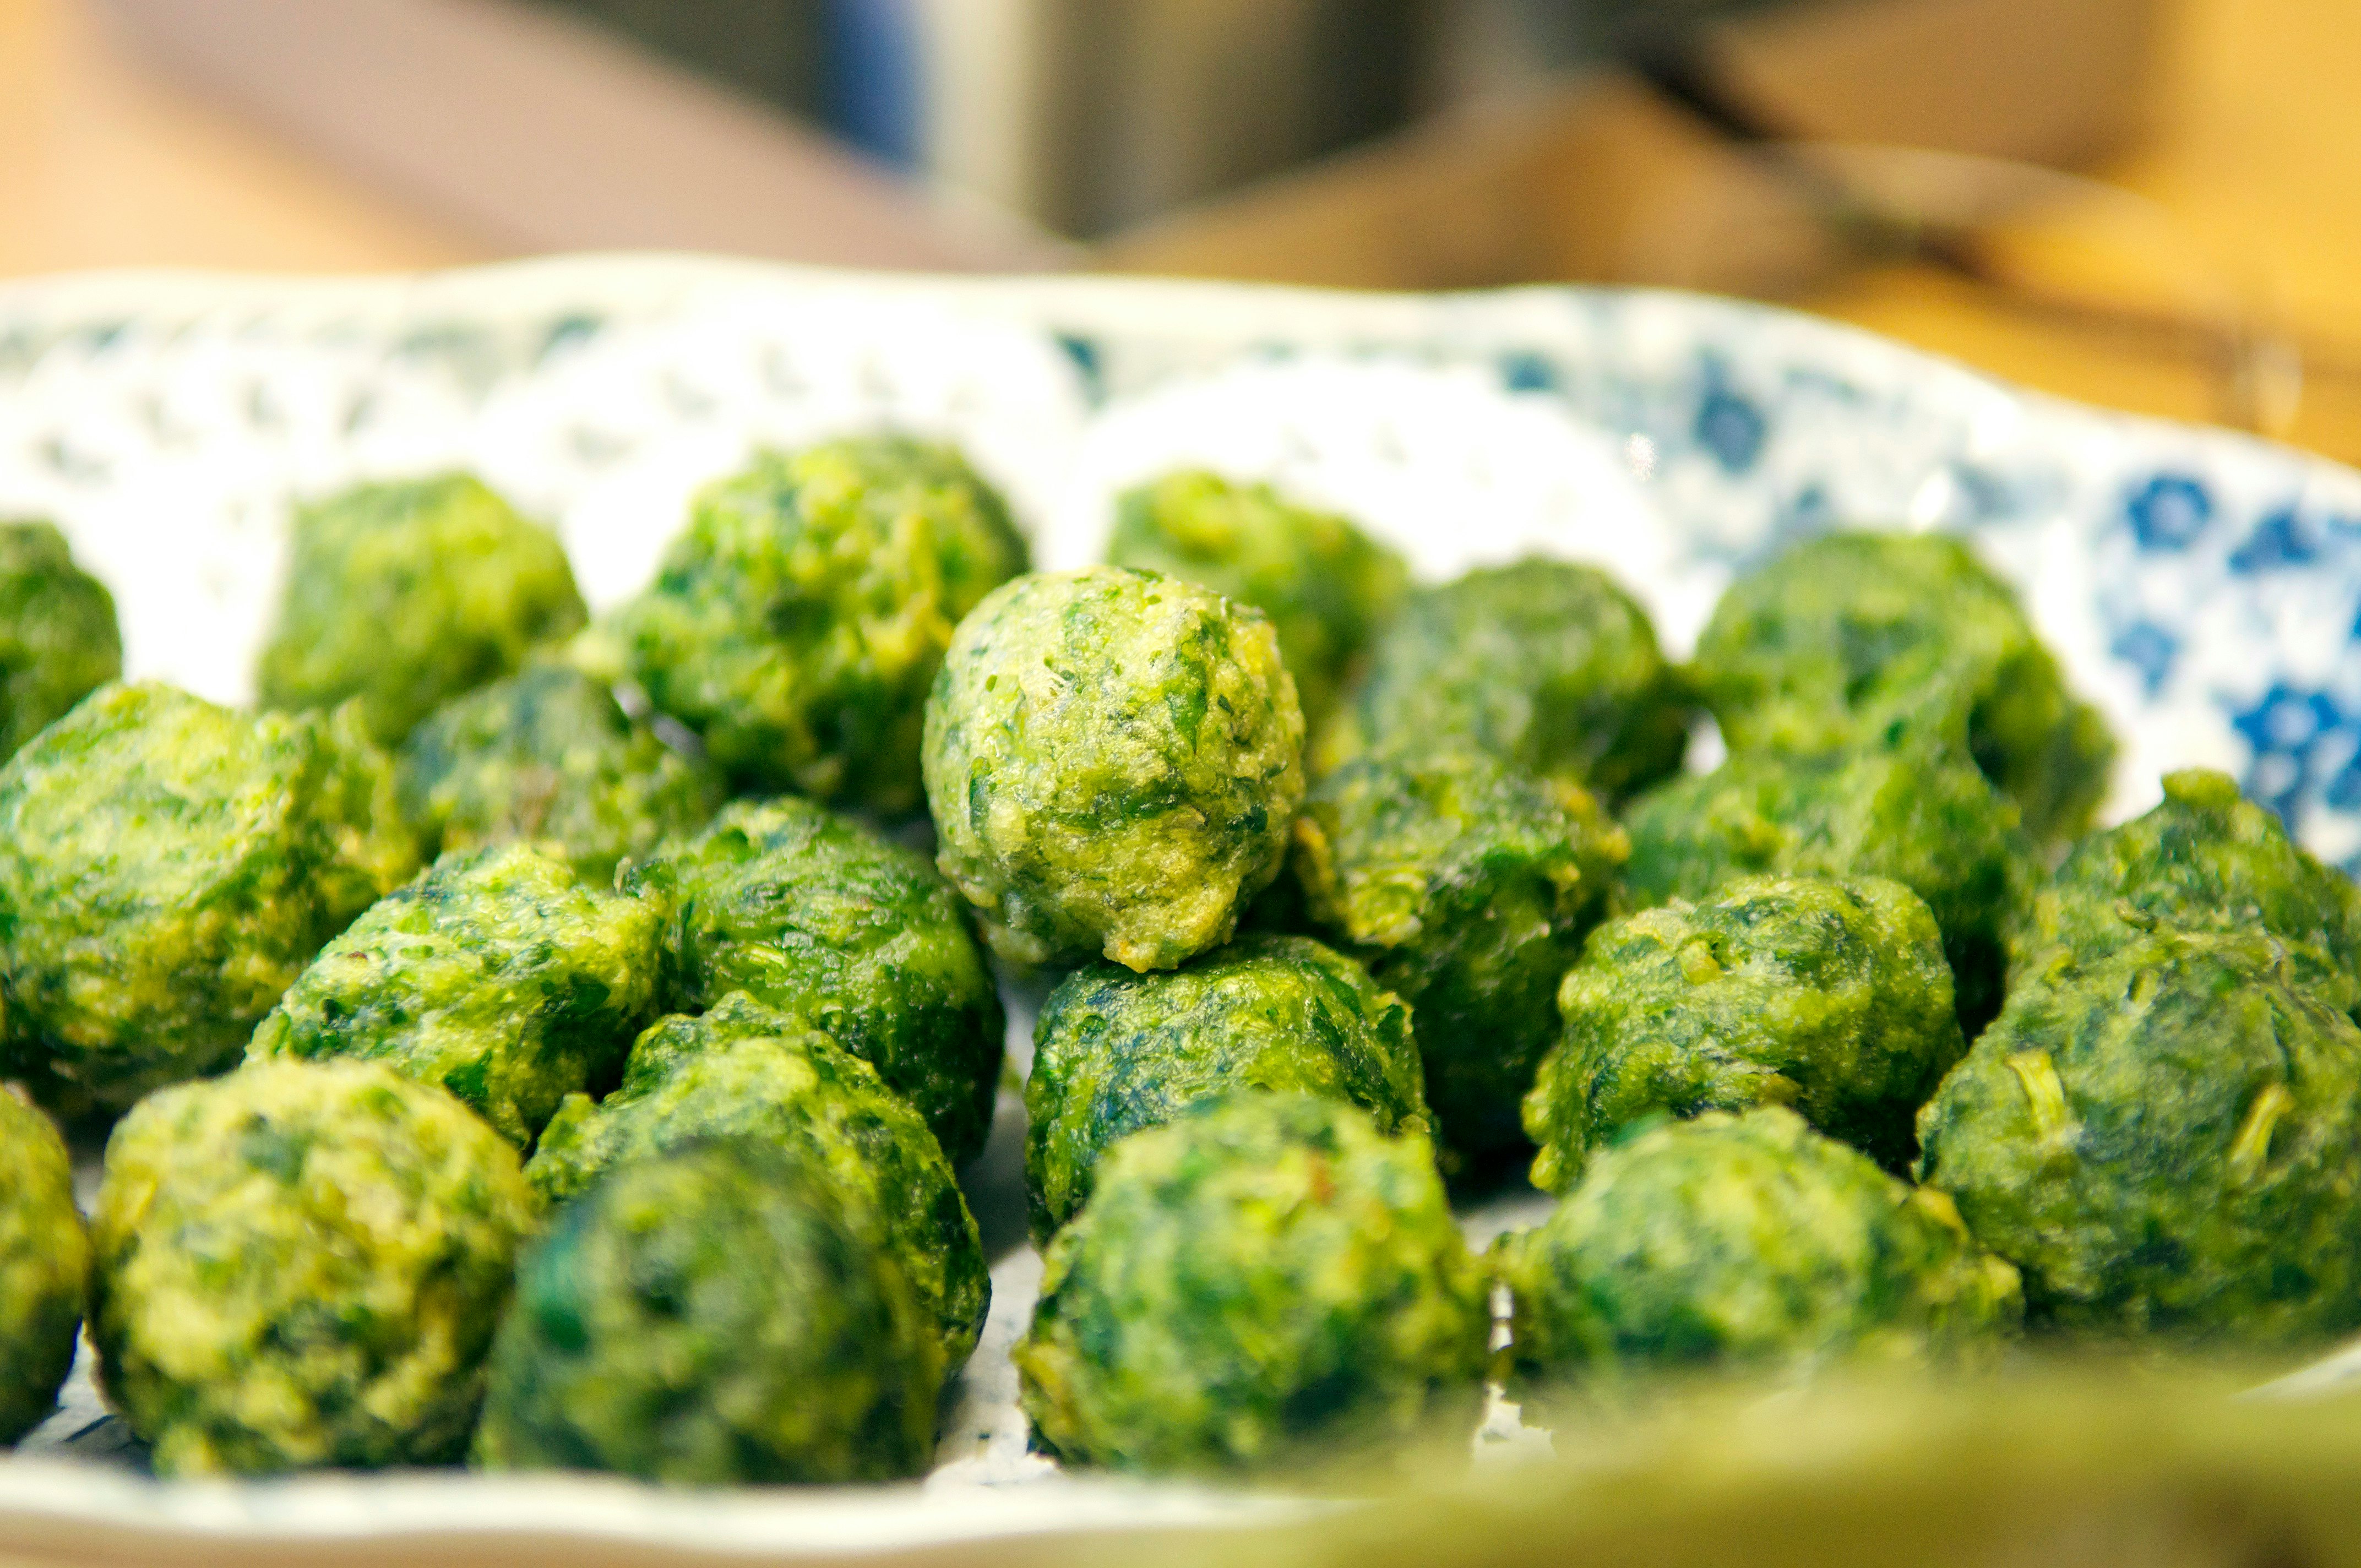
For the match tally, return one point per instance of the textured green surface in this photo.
(711, 1318)
(1824, 645)
(548, 756)
(405, 594)
(1468, 890)
(2166, 1138)
(58, 641)
(44, 1266)
(1112, 761)
(497, 975)
(167, 868)
(1548, 667)
(301, 1265)
(1327, 586)
(1749, 1241)
(1115, 1052)
(799, 620)
(1830, 997)
(746, 1070)
(1265, 1282)
(808, 912)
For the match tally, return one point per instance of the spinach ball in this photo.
(1741, 1242)
(58, 641)
(1327, 586)
(405, 594)
(549, 756)
(1827, 642)
(167, 868)
(44, 1266)
(301, 1264)
(1830, 997)
(808, 912)
(496, 976)
(2166, 1138)
(1544, 667)
(799, 620)
(744, 1070)
(1113, 758)
(711, 1317)
(1268, 1282)
(1468, 890)
(1115, 1052)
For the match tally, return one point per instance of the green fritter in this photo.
(1831, 997)
(711, 1317)
(549, 756)
(811, 913)
(1469, 889)
(1114, 1052)
(58, 641)
(1267, 1282)
(1824, 644)
(44, 1266)
(2167, 1139)
(1746, 1242)
(1327, 586)
(1548, 667)
(799, 621)
(405, 594)
(167, 868)
(496, 975)
(744, 1070)
(1113, 758)
(301, 1264)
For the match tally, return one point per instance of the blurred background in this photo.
(2150, 203)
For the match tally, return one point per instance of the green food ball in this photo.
(1115, 1052)
(1547, 667)
(301, 1264)
(798, 621)
(44, 1266)
(496, 976)
(744, 1070)
(406, 595)
(1826, 644)
(548, 756)
(1747, 1241)
(1327, 586)
(167, 868)
(1269, 1281)
(1469, 889)
(1831, 997)
(58, 641)
(711, 1317)
(2167, 1139)
(813, 914)
(1113, 758)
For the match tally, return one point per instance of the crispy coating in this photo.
(301, 1264)
(1112, 759)
(405, 594)
(58, 641)
(2167, 1139)
(1830, 997)
(798, 621)
(44, 1266)
(1267, 1282)
(1115, 1052)
(816, 914)
(167, 868)
(744, 1070)
(496, 975)
(710, 1316)
(1467, 889)
(1327, 586)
